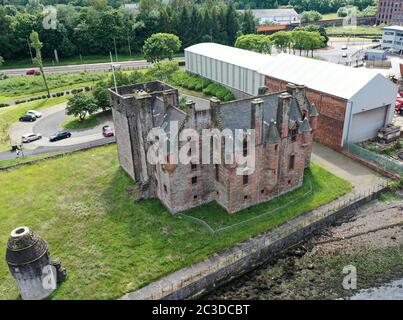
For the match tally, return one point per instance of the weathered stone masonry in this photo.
(284, 123)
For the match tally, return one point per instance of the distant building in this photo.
(353, 103)
(390, 12)
(276, 16)
(392, 38)
(284, 123)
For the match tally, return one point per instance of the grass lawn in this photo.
(330, 16)
(9, 115)
(90, 121)
(108, 243)
(6, 163)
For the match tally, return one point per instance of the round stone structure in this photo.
(29, 262)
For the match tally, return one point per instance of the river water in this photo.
(390, 291)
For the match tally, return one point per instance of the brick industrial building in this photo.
(353, 103)
(390, 12)
(284, 123)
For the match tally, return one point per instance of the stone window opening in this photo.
(262, 191)
(194, 180)
(276, 147)
(245, 198)
(195, 197)
(294, 133)
(245, 179)
(245, 146)
(217, 172)
(291, 163)
(193, 166)
(165, 188)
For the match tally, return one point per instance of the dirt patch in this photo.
(372, 242)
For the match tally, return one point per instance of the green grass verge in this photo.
(9, 115)
(330, 16)
(23, 86)
(352, 30)
(109, 243)
(91, 121)
(11, 162)
(27, 63)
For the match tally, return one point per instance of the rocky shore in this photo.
(372, 243)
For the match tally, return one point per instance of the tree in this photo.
(282, 39)
(310, 16)
(79, 105)
(37, 45)
(1, 60)
(248, 25)
(255, 42)
(160, 46)
(100, 95)
(232, 24)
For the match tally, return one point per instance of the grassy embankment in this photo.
(111, 244)
(19, 87)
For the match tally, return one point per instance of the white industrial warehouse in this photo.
(357, 101)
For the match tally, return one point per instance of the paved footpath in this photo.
(358, 175)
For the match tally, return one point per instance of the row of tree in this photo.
(99, 28)
(298, 39)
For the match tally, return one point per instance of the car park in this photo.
(34, 113)
(107, 131)
(60, 135)
(27, 118)
(29, 137)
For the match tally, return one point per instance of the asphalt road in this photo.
(138, 64)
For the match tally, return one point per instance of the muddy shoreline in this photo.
(372, 242)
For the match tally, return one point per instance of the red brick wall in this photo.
(331, 113)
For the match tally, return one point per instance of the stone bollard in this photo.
(28, 259)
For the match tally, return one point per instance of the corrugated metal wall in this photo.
(230, 75)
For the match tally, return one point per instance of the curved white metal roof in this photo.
(332, 78)
(239, 57)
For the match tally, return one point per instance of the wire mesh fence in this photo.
(376, 159)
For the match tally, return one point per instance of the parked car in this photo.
(28, 118)
(115, 67)
(34, 113)
(30, 72)
(107, 131)
(344, 47)
(29, 137)
(399, 106)
(344, 55)
(60, 135)
(376, 40)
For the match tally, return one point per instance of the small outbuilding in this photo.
(375, 55)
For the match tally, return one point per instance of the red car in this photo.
(30, 72)
(107, 131)
(399, 106)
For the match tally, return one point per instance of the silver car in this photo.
(29, 137)
(34, 113)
